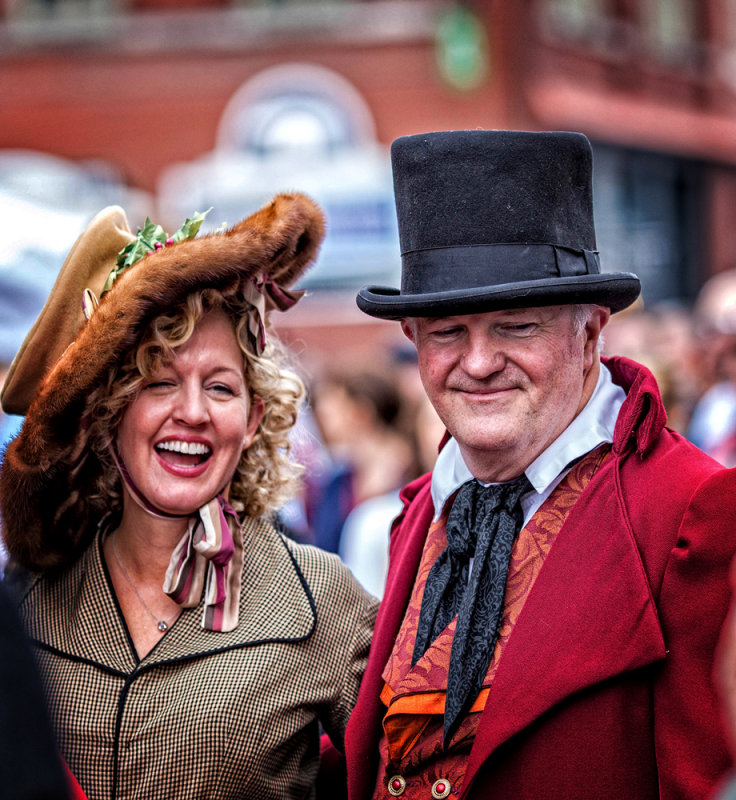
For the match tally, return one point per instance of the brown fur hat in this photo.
(64, 358)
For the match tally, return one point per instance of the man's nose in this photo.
(483, 357)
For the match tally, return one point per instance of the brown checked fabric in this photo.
(206, 715)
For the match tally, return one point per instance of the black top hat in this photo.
(491, 220)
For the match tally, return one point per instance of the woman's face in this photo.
(182, 436)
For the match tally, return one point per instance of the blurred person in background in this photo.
(357, 413)
(557, 585)
(661, 338)
(713, 422)
(364, 541)
(188, 650)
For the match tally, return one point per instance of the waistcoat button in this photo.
(441, 788)
(396, 785)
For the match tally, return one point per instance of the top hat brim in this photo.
(614, 290)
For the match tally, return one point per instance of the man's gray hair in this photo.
(581, 314)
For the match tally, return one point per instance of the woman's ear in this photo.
(255, 415)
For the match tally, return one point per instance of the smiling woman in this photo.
(168, 614)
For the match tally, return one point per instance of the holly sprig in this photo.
(149, 238)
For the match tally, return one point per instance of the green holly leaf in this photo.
(151, 234)
(149, 238)
(191, 226)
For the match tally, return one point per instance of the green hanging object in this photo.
(462, 48)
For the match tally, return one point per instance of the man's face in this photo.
(506, 383)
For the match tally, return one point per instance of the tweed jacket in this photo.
(604, 689)
(205, 714)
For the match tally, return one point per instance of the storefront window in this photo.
(670, 28)
(646, 209)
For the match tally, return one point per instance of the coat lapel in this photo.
(86, 623)
(75, 614)
(589, 616)
(364, 726)
(276, 604)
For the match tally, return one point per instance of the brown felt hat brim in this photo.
(87, 266)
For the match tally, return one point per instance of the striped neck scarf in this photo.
(209, 557)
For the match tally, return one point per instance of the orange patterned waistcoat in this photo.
(413, 763)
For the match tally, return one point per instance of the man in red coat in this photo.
(557, 584)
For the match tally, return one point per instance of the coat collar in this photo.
(76, 614)
(642, 416)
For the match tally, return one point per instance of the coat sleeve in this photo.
(354, 620)
(345, 632)
(690, 741)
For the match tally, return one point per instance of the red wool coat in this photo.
(605, 687)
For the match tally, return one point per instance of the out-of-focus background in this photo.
(171, 106)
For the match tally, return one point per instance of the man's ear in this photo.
(593, 327)
(408, 330)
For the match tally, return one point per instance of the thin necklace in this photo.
(161, 624)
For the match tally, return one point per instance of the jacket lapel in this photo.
(86, 623)
(276, 604)
(76, 614)
(575, 629)
(364, 726)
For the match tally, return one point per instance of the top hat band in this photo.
(436, 269)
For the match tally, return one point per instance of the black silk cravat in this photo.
(483, 523)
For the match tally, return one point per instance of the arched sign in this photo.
(300, 127)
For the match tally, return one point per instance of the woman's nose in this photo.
(191, 406)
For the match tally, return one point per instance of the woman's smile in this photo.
(180, 454)
(182, 437)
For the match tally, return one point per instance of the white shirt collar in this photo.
(591, 427)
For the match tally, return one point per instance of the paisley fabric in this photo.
(414, 695)
(483, 523)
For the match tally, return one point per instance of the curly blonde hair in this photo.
(266, 475)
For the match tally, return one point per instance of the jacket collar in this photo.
(642, 416)
(76, 614)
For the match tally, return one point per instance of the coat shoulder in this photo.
(329, 580)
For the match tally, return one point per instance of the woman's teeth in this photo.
(188, 448)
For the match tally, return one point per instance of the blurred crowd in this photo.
(366, 431)
(692, 353)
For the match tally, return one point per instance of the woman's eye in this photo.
(158, 384)
(221, 388)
